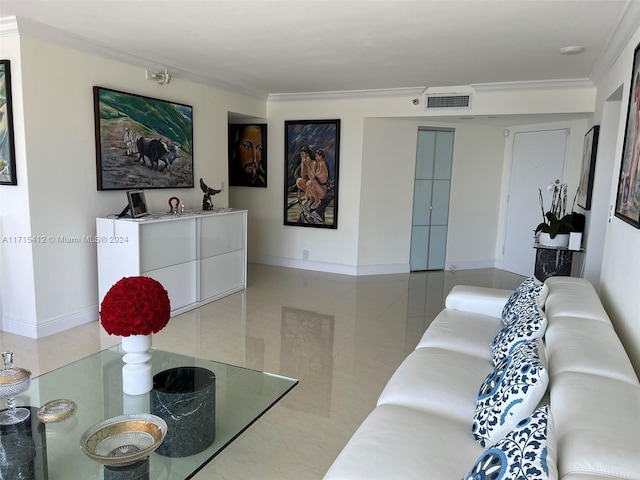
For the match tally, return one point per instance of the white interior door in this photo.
(538, 159)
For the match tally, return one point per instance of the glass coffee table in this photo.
(94, 383)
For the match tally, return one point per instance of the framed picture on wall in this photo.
(142, 142)
(312, 151)
(7, 145)
(248, 155)
(628, 194)
(585, 188)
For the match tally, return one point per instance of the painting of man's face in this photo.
(247, 155)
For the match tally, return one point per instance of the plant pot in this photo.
(560, 240)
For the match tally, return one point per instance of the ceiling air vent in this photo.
(447, 100)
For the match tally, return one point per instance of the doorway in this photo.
(432, 186)
(538, 159)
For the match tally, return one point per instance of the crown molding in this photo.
(8, 26)
(568, 83)
(23, 26)
(627, 25)
(334, 95)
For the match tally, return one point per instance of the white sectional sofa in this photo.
(422, 425)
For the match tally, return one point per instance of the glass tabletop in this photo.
(95, 385)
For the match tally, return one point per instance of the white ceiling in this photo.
(298, 46)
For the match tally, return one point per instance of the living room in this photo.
(49, 288)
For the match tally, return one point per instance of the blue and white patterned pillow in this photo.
(528, 325)
(510, 393)
(523, 454)
(530, 291)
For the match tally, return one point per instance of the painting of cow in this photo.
(161, 156)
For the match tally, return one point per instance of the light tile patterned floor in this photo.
(341, 336)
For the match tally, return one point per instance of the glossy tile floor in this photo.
(341, 336)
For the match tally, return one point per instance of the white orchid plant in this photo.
(556, 221)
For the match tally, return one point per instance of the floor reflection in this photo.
(306, 353)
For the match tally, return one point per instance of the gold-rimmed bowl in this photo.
(57, 410)
(123, 440)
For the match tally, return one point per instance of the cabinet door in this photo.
(163, 244)
(221, 234)
(179, 281)
(221, 274)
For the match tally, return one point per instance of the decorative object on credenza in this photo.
(628, 195)
(123, 440)
(587, 172)
(142, 142)
(312, 152)
(185, 397)
(7, 144)
(134, 308)
(207, 204)
(13, 381)
(174, 204)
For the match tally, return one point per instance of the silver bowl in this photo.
(123, 440)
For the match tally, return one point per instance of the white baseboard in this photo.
(329, 267)
(475, 265)
(50, 326)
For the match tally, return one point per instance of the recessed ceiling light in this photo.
(573, 50)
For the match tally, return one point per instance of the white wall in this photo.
(387, 192)
(620, 277)
(17, 295)
(60, 177)
(347, 249)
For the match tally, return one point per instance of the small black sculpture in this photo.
(207, 204)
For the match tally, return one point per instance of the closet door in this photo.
(432, 186)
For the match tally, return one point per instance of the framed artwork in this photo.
(585, 188)
(142, 142)
(628, 194)
(312, 151)
(248, 155)
(7, 145)
(137, 203)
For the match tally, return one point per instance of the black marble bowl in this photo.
(185, 397)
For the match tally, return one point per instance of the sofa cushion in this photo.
(530, 324)
(483, 300)
(510, 393)
(396, 442)
(587, 346)
(529, 291)
(437, 380)
(468, 333)
(597, 425)
(522, 454)
(574, 297)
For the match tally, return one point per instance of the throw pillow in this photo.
(510, 393)
(531, 290)
(529, 325)
(522, 454)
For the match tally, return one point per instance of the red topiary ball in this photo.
(135, 306)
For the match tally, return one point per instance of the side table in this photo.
(553, 261)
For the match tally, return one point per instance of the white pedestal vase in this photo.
(136, 372)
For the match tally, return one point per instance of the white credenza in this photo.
(198, 257)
